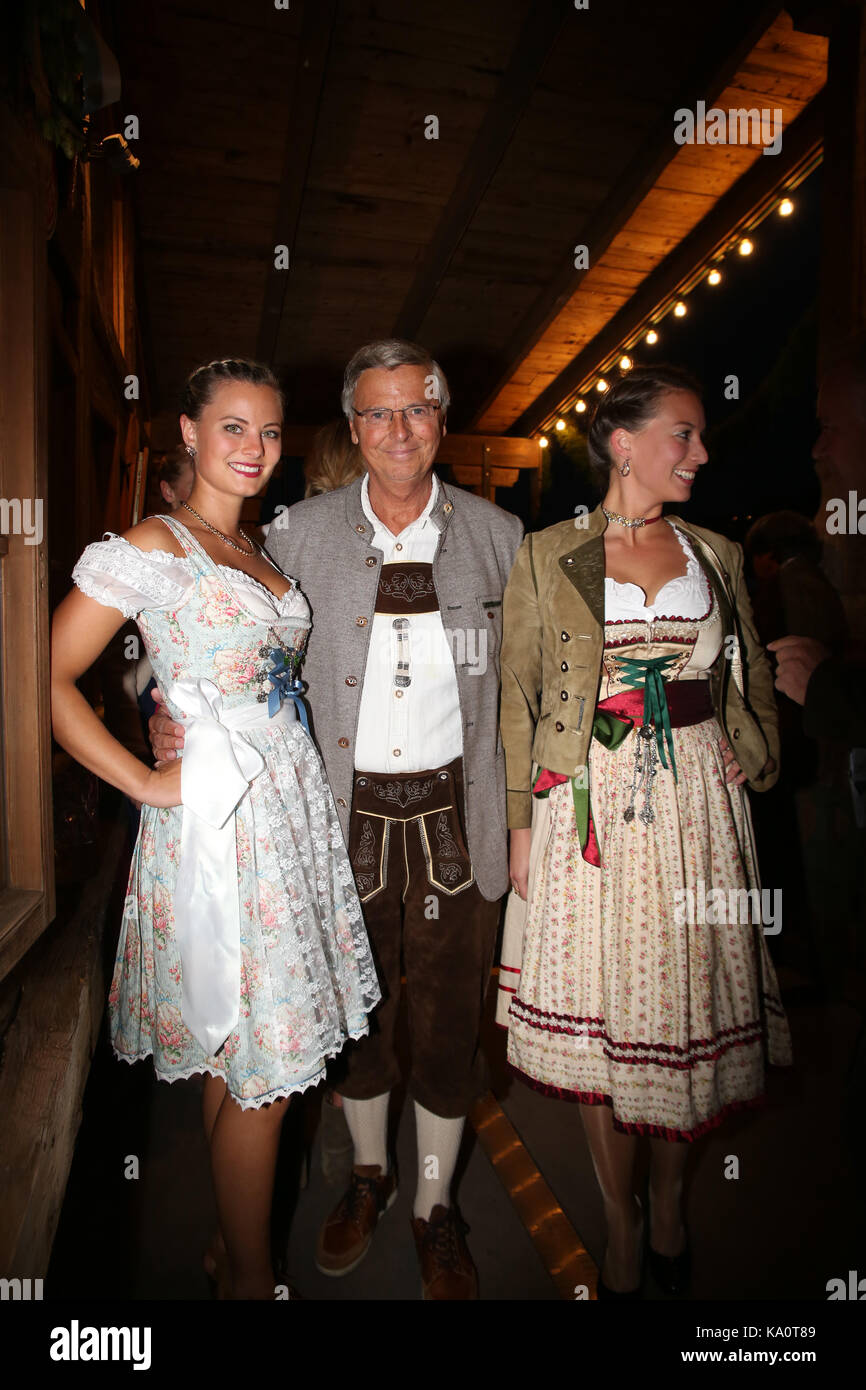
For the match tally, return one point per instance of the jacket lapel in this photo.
(584, 566)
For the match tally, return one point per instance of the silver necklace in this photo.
(630, 521)
(227, 539)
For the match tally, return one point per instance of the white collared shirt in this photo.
(408, 728)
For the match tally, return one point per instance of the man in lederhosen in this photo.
(405, 578)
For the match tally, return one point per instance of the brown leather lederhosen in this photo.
(423, 910)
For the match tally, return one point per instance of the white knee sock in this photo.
(368, 1126)
(438, 1145)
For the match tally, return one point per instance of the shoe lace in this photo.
(444, 1237)
(360, 1189)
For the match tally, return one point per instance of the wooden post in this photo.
(487, 489)
(843, 233)
(842, 302)
(84, 510)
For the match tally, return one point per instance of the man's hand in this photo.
(518, 862)
(166, 737)
(796, 659)
(734, 774)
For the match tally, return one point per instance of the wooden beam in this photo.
(801, 143)
(319, 16)
(710, 76)
(537, 36)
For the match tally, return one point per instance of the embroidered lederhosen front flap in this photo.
(422, 803)
(406, 589)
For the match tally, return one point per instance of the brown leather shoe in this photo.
(346, 1235)
(447, 1270)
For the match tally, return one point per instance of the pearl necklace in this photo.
(227, 539)
(630, 521)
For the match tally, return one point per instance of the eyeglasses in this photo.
(382, 418)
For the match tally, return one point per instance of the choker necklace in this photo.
(630, 521)
(228, 540)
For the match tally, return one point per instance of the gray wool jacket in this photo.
(325, 543)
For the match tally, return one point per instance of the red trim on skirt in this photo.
(685, 1136)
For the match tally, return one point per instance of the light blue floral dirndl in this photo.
(242, 949)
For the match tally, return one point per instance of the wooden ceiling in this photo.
(306, 127)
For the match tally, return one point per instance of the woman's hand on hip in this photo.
(518, 860)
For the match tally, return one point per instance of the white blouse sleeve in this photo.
(119, 575)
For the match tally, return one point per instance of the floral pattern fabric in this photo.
(630, 993)
(307, 976)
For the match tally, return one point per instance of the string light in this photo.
(543, 441)
(745, 247)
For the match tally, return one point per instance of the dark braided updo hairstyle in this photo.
(629, 405)
(203, 383)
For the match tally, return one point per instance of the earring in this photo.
(191, 451)
(625, 470)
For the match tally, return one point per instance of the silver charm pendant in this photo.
(643, 773)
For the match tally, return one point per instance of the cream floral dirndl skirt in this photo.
(621, 999)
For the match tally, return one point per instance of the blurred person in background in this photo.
(334, 461)
(176, 476)
(791, 593)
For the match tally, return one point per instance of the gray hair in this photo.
(391, 353)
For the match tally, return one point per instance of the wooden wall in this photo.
(71, 437)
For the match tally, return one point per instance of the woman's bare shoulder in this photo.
(153, 534)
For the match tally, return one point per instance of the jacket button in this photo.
(569, 561)
(736, 733)
(559, 727)
(360, 622)
(370, 561)
(343, 742)
(396, 752)
(566, 636)
(341, 802)
(351, 680)
(490, 613)
(360, 530)
(563, 695)
(564, 666)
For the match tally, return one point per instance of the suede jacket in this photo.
(552, 645)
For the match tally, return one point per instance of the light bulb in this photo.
(625, 364)
(601, 384)
(652, 336)
(714, 277)
(786, 207)
(680, 309)
(544, 441)
(745, 247)
(560, 425)
(580, 406)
